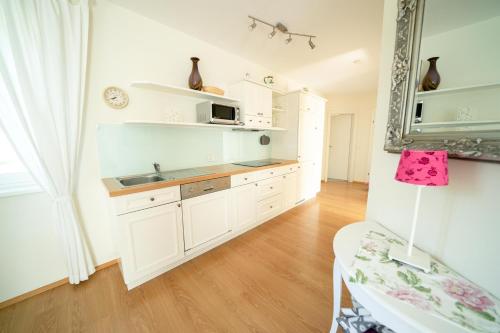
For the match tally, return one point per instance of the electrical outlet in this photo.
(210, 157)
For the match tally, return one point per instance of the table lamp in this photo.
(421, 168)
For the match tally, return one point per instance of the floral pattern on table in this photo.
(442, 292)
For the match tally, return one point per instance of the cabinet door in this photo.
(205, 217)
(290, 190)
(305, 182)
(306, 137)
(266, 102)
(150, 239)
(244, 205)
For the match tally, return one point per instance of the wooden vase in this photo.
(195, 81)
(431, 79)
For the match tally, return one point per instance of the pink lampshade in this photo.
(423, 167)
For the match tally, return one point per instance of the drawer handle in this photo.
(272, 173)
(178, 205)
(246, 178)
(209, 189)
(256, 184)
(271, 188)
(284, 177)
(152, 199)
(271, 206)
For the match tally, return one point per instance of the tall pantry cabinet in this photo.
(303, 115)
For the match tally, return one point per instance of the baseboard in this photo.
(359, 182)
(48, 287)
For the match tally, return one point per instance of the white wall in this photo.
(460, 223)
(30, 251)
(362, 105)
(124, 47)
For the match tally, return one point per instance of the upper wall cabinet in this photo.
(446, 79)
(255, 103)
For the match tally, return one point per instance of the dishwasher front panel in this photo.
(196, 189)
(205, 217)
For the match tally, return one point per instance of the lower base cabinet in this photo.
(157, 231)
(150, 239)
(244, 211)
(289, 190)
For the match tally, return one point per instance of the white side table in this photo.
(397, 315)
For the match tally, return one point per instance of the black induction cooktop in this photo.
(258, 163)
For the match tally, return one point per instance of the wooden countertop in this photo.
(223, 170)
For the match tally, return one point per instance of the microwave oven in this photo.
(213, 113)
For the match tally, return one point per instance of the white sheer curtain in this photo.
(43, 56)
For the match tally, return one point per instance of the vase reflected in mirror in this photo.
(432, 78)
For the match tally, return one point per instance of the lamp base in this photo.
(417, 259)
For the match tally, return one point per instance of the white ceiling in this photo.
(444, 15)
(347, 30)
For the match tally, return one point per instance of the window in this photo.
(14, 177)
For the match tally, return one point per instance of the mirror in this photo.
(445, 90)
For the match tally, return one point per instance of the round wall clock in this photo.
(115, 97)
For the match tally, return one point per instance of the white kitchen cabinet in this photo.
(255, 103)
(150, 239)
(205, 217)
(303, 140)
(289, 190)
(244, 199)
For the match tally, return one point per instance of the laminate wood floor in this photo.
(275, 278)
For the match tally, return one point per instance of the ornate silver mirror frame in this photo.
(484, 147)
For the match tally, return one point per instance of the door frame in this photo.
(326, 152)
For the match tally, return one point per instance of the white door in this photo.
(205, 217)
(340, 147)
(244, 205)
(152, 239)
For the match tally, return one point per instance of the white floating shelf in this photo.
(456, 123)
(455, 90)
(198, 125)
(182, 91)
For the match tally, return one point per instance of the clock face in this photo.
(115, 97)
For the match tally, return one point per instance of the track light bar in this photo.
(281, 28)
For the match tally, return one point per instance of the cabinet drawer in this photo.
(251, 121)
(244, 178)
(269, 173)
(137, 201)
(269, 187)
(269, 208)
(267, 122)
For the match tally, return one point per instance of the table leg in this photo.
(337, 295)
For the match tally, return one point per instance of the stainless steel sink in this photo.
(139, 180)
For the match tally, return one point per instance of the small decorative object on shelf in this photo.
(269, 80)
(213, 90)
(432, 78)
(195, 81)
(422, 168)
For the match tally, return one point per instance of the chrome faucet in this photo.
(157, 168)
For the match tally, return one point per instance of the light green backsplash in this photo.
(132, 149)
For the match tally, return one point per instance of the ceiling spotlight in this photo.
(311, 44)
(288, 40)
(271, 35)
(252, 26)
